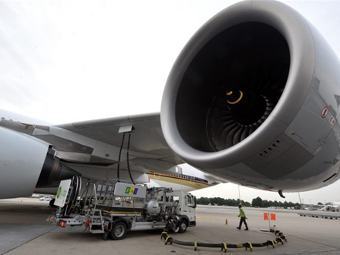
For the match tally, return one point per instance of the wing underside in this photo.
(93, 144)
(92, 148)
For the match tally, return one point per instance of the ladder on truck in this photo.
(96, 223)
(102, 194)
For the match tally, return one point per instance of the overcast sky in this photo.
(66, 61)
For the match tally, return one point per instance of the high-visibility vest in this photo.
(242, 214)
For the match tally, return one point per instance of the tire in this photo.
(183, 225)
(176, 229)
(173, 226)
(119, 230)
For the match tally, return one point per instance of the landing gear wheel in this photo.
(183, 225)
(118, 231)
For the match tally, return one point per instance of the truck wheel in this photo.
(118, 231)
(175, 229)
(183, 225)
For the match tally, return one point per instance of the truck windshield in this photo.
(190, 201)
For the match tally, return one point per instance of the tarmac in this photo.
(24, 230)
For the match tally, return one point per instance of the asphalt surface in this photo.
(24, 230)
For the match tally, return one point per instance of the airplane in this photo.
(253, 98)
(331, 207)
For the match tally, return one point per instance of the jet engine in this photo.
(254, 97)
(27, 163)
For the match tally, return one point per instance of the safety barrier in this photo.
(224, 246)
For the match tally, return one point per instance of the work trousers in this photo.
(243, 220)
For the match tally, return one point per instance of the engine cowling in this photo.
(253, 97)
(27, 163)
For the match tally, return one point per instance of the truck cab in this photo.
(186, 206)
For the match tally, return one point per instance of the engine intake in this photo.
(231, 86)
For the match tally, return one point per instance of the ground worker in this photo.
(243, 218)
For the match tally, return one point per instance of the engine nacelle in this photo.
(27, 163)
(254, 98)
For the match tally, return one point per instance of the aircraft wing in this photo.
(92, 149)
(97, 142)
(147, 141)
